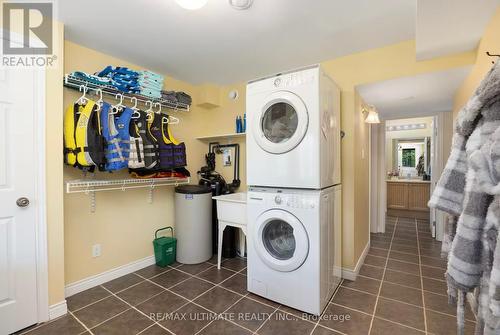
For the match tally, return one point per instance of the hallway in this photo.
(402, 280)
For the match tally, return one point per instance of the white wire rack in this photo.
(89, 185)
(73, 82)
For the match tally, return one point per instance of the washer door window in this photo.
(281, 240)
(282, 123)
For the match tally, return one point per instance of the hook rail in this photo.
(99, 89)
(489, 54)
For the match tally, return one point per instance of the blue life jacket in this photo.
(116, 132)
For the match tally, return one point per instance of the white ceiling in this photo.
(221, 45)
(450, 26)
(421, 95)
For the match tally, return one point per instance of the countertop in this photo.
(240, 197)
(403, 180)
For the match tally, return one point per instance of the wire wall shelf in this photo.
(90, 186)
(73, 82)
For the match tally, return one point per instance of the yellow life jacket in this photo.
(83, 142)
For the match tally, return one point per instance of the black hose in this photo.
(236, 181)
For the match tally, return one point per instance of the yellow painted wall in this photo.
(124, 222)
(362, 180)
(489, 42)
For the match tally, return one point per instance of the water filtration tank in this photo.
(193, 223)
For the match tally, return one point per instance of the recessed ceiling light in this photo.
(241, 4)
(191, 4)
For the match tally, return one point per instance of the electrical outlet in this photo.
(96, 250)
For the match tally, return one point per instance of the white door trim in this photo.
(377, 178)
(40, 187)
(41, 192)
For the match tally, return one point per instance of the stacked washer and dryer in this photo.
(294, 197)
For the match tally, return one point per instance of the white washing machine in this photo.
(293, 130)
(294, 246)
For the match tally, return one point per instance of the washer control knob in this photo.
(277, 199)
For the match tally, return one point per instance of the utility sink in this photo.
(232, 208)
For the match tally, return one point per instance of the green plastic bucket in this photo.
(165, 248)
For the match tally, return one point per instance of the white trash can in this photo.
(193, 223)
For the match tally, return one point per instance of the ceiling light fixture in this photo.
(191, 4)
(372, 116)
(241, 4)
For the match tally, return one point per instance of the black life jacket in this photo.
(136, 157)
(179, 148)
(151, 153)
(166, 148)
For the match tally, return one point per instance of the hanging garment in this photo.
(485, 162)
(150, 145)
(83, 143)
(136, 158)
(116, 132)
(166, 147)
(461, 193)
(179, 148)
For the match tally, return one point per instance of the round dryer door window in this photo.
(281, 240)
(282, 123)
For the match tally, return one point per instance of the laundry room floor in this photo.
(400, 290)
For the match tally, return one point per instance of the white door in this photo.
(281, 123)
(18, 205)
(281, 240)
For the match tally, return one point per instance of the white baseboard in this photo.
(352, 274)
(58, 310)
(101, 278)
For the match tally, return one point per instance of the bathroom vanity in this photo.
(408, 198)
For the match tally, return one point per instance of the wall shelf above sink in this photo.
(232, 136)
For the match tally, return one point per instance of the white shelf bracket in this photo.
(91, 194)
(150, 192)
(92, 201)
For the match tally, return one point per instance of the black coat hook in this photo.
(492, 55)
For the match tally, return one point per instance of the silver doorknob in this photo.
(23, 202)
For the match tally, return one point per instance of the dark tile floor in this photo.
(400, 290)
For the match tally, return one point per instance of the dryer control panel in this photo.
(285, 199)
(286, 80)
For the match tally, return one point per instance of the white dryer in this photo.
(293, 130)
(294, 246)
